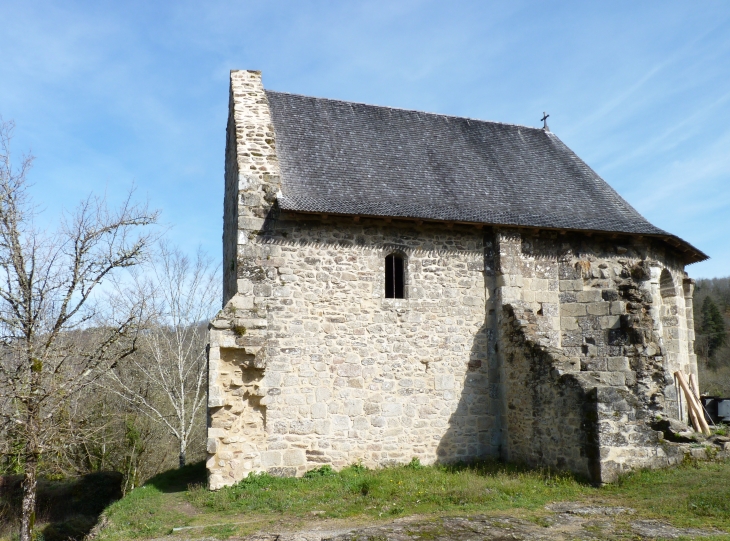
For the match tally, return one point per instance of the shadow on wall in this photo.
(470, 433)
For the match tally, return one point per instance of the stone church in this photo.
(402, 284)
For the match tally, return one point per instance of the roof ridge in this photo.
(471, 119)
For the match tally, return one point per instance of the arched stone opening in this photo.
(666, 285)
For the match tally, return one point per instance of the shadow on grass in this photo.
(490, 467)
(178, 480)
(70, 507)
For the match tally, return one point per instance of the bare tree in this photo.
(57, 334)
(166, 378)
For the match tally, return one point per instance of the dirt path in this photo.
(561, 521)
(564, 521)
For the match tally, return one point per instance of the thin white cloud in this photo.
(672, 137)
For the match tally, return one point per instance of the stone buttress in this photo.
(237, 352)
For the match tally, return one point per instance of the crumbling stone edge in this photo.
(553, 383)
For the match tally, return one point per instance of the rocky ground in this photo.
(562, 521)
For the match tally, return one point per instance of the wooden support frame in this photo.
(695, 408)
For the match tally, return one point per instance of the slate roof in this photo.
(340, 157)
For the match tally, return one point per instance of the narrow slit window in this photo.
(394, 277)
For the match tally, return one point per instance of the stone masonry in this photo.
(554, 348)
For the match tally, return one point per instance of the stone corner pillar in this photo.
(238, 334)
(688, 286)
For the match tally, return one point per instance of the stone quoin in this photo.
(401, 284)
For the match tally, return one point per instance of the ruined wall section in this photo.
(614, 325)
(238, 334)
(230, 208)
(550, 414)
(545, 405)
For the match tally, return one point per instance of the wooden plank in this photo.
(695, 421)
(695, 394)
(693, 403)
(694, 384)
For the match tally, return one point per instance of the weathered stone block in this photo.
(610, 322)
(354, 407)
(251, 224)
(322, 427)
(609, 295)
(568, 323)
(618, 364)
(319, 410)
(443, 382)
(598, 308)
(591, 295)
(539, 284)
(573, 309)
(547, 296)
(391, 409)
(340, 422)
(509, 280)
(270, 459)
(348, 370)
(302, 427)
(591, 364)
(294, 457)
(212, 446)
(614, 379)
(571, 285)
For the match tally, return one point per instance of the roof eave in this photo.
(688, 253)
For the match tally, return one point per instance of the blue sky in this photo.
(113, 94)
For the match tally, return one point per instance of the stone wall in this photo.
(349, 375)
(550, 413)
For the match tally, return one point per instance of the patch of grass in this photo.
(695, 494)
(219, 532)
(392, 491)
(154, 509)
(692, 495)
(324, 471)
(144, 512)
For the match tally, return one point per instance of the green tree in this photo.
(713, 326)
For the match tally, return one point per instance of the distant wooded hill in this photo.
(712, 326)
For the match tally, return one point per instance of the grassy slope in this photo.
(695, 495)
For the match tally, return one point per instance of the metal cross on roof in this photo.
(544, 121)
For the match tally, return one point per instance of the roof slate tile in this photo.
(340, 157)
